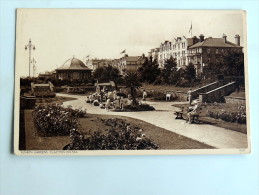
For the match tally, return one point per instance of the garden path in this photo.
(163, 117)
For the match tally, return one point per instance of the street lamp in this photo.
(34, 67)
(30, 47)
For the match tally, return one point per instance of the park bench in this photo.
(179, 114)
(195, 118)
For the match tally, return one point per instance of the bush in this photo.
(54, 120)
(142, 107)
(233, 117)
(75, 112)
(44, 94)
(122, 136)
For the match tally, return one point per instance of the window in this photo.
(208, 60)
(208, 50)
(217, 51)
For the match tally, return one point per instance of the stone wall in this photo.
(195, 93)
(235, 100)
(216, 95)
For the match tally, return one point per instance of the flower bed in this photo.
(234, 117)
(141, 107)
(121, 136)
(54, 120)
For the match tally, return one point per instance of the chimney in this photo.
(201, 37)
(237, 40)
(224, 37)
(195, 40)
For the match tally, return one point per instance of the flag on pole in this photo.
(190, 28)
(124, 51)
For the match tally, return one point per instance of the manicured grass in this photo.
(164, 87)
(55, 100)
(204, 117)
(164, 138)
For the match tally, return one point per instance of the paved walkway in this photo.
(163, 117)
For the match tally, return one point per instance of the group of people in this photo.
(108, 99)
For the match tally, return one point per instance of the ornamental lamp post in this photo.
(30, 47)
(34, 67)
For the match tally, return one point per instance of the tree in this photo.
(132, 81)
(149, 71)
(170, 75)
(189, 73)
(106, 73)
(231, 64)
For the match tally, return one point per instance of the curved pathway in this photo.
(163, 117)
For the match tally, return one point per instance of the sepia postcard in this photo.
(131, 82)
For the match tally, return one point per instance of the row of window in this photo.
(179, 46)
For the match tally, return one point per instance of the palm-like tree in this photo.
(132, 81)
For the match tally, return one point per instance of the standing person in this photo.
(144, 95)
(189, 96)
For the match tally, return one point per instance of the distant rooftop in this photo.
(214, 42)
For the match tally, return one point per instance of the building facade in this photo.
(180, 46)
(165, 52)
(210, 50)
(130, 63)
(154, 53)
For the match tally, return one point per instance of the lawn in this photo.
(56, 100)
(164, 87)
(163, 138)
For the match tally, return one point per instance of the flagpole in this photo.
(191, 28)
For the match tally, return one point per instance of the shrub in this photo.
(54, 120)
(121, 136)
(75, 112)
(142, 107)
(233, 117)
(44, 94)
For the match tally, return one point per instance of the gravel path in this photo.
(163, 117)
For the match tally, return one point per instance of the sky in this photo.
(60, 34)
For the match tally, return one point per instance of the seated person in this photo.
(87, 100)
(91, 99)
(108, 104)
(193, 111)
(96, 102)
(116, 104)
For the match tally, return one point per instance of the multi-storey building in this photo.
(130, 63)
(177, 49)
(180, 46)
(165, 52)
(98, 63)
(210, 50)
(154, 53)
